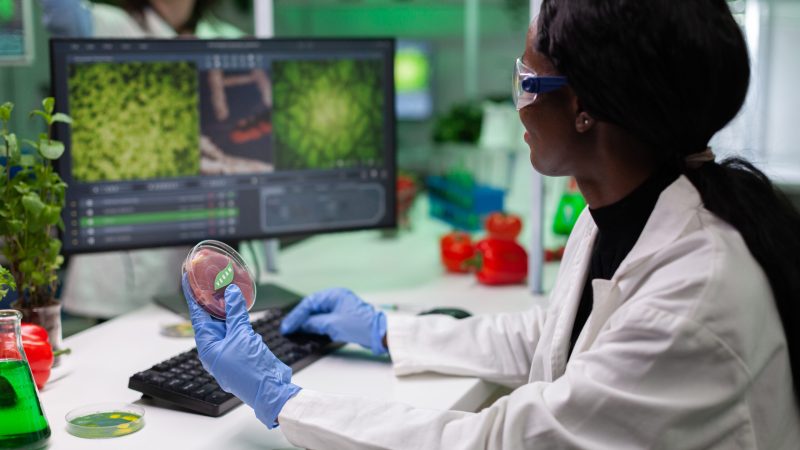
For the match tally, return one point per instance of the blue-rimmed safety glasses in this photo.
(527, 84)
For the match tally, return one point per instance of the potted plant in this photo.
(33, 196)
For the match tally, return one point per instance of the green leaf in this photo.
(5, 111)
(55, 246)
(27, 160)
(61, 117)
(48, 104)
(224, 277)
(33, 204)
(6, 282)
(31, 143)
(13, 226)
(26, 266)
(13, 146)
(51, 149)
(47, 118)
(51, 214)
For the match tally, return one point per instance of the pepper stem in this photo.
(63, 351)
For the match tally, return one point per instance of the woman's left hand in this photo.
(238, 358)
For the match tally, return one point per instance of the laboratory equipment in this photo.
(210, 267)
(24, 425)
(105, 420)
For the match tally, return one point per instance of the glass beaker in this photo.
(22, 421)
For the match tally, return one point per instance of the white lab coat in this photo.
(684, 349)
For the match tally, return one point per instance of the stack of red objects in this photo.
(496, 259)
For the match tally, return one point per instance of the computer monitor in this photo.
(16, 40)
(176, 141)
(412, 73)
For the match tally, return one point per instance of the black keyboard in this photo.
(181, 380)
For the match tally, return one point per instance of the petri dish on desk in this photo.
(210, 267)
(105, 420)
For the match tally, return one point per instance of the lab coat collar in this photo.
(666, 223)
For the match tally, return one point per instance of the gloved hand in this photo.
(340, 314)
(238, 358)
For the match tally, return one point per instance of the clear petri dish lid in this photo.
(210, 267)
(105, 420)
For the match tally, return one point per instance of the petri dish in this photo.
(210, 267)
(105, 420)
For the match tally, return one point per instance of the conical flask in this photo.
(22, 421)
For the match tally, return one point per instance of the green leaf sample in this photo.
(155, 131)
(224, 277)
(327, 113)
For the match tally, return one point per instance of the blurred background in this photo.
(453, 78)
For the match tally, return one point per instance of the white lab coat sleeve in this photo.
(496, 348)
(622, 393)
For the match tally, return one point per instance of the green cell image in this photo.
(134, 121)
(411, 71)
(327, 113)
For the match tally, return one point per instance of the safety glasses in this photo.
(527, 84)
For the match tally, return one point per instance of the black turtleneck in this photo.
(619, 226)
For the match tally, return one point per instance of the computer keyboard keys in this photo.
(174, 384)
(202, 391)
(218, 397)
(188, 387)
(182, 380)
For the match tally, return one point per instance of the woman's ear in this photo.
(584, 122)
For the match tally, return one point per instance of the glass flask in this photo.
(22, 421)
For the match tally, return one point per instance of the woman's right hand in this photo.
(340, 314)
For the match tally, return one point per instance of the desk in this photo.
(402, 270)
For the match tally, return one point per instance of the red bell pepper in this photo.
(456, 250)
(501, 262)
(36, 344)
(504, 226)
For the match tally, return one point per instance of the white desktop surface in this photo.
(403, 270)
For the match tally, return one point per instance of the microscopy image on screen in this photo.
(328, 113)
(134, 121)
(235, 121)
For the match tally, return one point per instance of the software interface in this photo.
(15, 45)
(412, 75)
(176, 141)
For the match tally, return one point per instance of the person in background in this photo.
(135, 18)
(104, 285)
(671, 321)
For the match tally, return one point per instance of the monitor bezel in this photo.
(390, 218)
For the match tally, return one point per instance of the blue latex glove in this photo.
(340, 314)
(238, 358)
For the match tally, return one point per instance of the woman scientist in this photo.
(670, 323)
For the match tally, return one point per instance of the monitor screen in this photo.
(412, 73)
(16, 44)
(175, 141)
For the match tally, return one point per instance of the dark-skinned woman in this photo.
(670, 322)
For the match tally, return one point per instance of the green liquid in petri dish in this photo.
(22, 421)
(105, 424)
